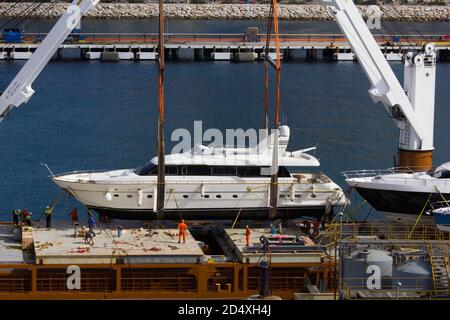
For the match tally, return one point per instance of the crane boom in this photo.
(19, 90)
(415, 100)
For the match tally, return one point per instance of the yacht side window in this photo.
(183, 170)
(199, 171)
(224, 171)
(172, 170)
(246, 171)
(283, 172)
(265, 171)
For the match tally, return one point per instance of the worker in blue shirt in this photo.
(91, 223)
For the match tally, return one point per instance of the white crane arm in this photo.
(19, 90)
(385, 85)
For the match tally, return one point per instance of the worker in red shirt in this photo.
(25, 214)
(316, 225)
(247, 235)
(182, 231)
(74, 215)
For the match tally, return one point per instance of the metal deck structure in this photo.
(147, 262)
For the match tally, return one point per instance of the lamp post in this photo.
(341, 215)
(398, 285)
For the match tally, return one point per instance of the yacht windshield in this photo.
(443, 171)
(442, 174)
(150, 169)
(146, 169)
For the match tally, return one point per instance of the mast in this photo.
(275, 145)
(161, 148)
(266, 70)
(278, 62)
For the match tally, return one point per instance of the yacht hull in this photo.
(442, 221)
(214, 213)
(400, 201)
(199, 198)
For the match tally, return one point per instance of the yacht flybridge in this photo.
(211, 182)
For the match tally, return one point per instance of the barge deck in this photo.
(146, 261)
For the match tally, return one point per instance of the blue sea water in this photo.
(93, 115)
(225, 26)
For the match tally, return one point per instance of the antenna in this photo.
(45, 165)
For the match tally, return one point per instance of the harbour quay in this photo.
(242, 47)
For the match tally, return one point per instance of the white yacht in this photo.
(399, 192)
(211, 182)
(441, 213)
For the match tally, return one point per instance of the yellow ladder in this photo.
(439, 268)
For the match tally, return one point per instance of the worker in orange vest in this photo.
(182, 231)
(247, 235)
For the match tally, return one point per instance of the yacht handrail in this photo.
(80, 171)
(255, 181)
(439, 204)
(367, 173)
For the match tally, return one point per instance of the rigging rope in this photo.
(176, 203)
(385, 38)
(420, 215)
(46, 9)
(235, 220)
(396, 22)
(34, 6)
(2, 26)
(442, 196)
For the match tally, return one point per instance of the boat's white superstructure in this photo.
(211, 181)
(401, 191)
(441, 213)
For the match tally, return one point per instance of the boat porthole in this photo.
(185, 196)
(116, 195)
(129, 196)
(281, 195)
(298, 195)
(218, 196)
(206, 196)
(149, 196)
(313, 195)
(235, 196)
